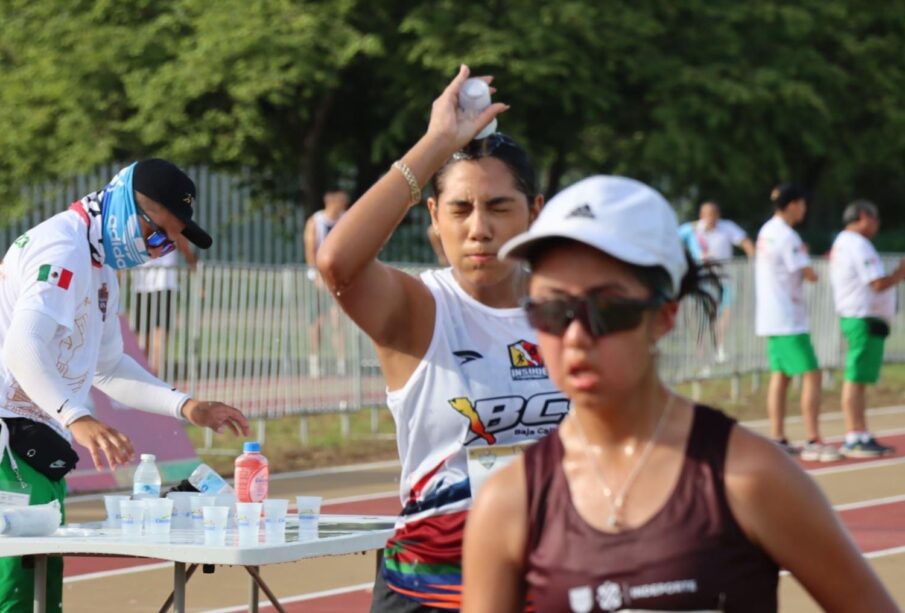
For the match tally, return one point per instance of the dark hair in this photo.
(703, 283)
(853, 211)
(501, 147)
(787, 193)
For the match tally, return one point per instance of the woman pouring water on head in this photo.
(641, 500)
(460, 361)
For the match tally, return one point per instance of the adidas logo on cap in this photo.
(582, 211)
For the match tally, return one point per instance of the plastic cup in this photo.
(215, 519)
(196, 502)
(309, 509)
(158, 516)
(248, 522)
(275, 515)
(228, 501)
(182, 509)
(131, 516)
(114, 514)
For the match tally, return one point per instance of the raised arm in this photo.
(393, 308)
(783, 511)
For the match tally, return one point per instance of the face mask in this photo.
(124, 246)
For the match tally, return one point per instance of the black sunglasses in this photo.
(158, 237)
(598, 313)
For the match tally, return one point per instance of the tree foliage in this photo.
(704, 99)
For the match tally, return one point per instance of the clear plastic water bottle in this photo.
(207, 481)
(474, 97)
(146, 483)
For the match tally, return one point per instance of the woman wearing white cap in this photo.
(463, 374)
(641, 500)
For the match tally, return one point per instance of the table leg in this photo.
(173, 597)
(253, 594)
(40, 593)
(179, 587)
(253, 571)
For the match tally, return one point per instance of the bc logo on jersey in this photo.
(534, 417)
(526, 361)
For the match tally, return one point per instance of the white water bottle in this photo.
(474, 97)
(146, 483)
(207, 481)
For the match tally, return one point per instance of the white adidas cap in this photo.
(621, 217)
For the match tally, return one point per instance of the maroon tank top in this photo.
(691, 555)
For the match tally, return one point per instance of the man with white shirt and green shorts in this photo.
(781, 267)
(865, 302)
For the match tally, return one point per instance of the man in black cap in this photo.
(60, 335)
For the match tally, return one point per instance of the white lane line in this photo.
(103, 574)
(847, 468)
(882, 553)
(302, 597)
(835, 416)
(876, 502)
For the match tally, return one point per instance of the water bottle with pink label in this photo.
(252, 474)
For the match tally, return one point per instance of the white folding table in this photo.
(337, 535)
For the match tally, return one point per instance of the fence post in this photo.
(755, 381)
(303, 429)
(736, 388)
(345, 426)
(828, 380)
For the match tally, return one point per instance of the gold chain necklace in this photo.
(617, 500)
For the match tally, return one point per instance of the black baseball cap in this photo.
(165, 183)
(787, 193)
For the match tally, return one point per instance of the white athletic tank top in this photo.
(322, 227)
(482, 382)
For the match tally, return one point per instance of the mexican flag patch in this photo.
(57, 275)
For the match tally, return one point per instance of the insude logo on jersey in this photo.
(55, 275)
(532, 417)
(526, 361)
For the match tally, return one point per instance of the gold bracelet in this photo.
(409, 176)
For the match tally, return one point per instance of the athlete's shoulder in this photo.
(59, 238)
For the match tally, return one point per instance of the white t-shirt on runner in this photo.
(49, 270)
(714, 244)
(854, 264)
(779, 282)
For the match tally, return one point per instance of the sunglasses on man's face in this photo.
(158, 237)
(598, 313)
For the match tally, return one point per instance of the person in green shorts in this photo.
(781, 266)
(17, 580)
(865, 302)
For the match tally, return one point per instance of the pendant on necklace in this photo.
(611, 521)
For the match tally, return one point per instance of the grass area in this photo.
(752, 403)
(327, 446)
